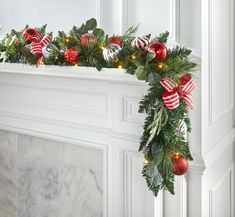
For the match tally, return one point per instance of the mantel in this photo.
(81, 72)
(85, 107)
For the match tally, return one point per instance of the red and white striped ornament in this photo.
(36, 48)
(174, 92)
(32, 35)
(140, 42)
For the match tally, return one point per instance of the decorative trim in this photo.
(215, 117)
(99, 5)
(218, 149)
(197, 166)
(174, 19)
(230, 172)
(128, 115)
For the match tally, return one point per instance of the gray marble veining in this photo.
(44, 178)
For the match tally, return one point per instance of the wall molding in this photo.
(174, 20)
(218, 149)
(227, 108)
(229, 172)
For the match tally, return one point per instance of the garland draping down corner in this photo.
(168, 72)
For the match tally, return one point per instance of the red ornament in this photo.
(158, 51)
(71, 56)
(32, 35)
(87, 39)
(115, 40)
(180, 165)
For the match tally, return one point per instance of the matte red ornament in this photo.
(71, 55)
(158, 51)
(180, 165)
(32, 35)
(115, 40)
(87, 38)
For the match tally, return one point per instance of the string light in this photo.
(160, 66)
(120, 66)
(133, 57)
(67, 40)
(102, 47)
(146, 161)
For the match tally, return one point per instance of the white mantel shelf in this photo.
(81, 72)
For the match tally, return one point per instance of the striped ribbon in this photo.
(174, 92)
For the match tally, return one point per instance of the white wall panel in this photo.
(59, 15)
(155, 16)
(221, 201)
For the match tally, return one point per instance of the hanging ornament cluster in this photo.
(111, 52)
(166, 103)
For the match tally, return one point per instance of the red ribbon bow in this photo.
(37, 42)
(174, 92)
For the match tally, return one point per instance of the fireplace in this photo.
(68, 145)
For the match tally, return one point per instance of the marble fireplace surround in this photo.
(90, 110)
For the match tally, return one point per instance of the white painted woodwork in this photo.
(86, 107)
(99, 109)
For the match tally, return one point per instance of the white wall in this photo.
(114, 16)
(205, 27)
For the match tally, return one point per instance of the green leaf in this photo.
(154, 78)
(91, 24)
(153, 177)
(150, 56)
(99, 32)
(141, 73)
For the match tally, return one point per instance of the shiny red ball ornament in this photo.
(87, 38)
(115, 40)
(32, 35)
(71, 56)
(180, 165)
(158, 51)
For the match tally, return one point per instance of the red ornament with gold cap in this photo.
(180, 164)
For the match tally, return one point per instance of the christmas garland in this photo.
(168, 72)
